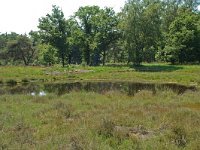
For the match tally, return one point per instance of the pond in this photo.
(130, 88)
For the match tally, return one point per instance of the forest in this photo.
(144, 31)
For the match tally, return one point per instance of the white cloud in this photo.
(22, 15)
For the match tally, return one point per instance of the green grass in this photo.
(109, 121)
(81, 120)
(158, 73)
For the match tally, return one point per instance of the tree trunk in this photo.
(69, 59)
(87, 55)
(104, 57)
(63, 60)
(24, 58)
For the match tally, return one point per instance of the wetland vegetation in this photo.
(60, 108)
(108, 120)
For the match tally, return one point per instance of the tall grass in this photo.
(82, 120)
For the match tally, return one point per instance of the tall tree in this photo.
(85, 17)
(75, 40)
(4, 40)
(106, 23)
(98, 27)
(53, 32)
(183, 38)
(21, 49)
(142, 28)
(133, 10)
(151, 29)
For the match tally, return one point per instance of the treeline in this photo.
(144, 31)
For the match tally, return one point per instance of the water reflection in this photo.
(41, 93)
(131, 88)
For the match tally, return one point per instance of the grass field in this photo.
(82, 120)
(158, 73)
(111, 120)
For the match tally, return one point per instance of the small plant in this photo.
(63, 109)
(76, 143)
(106, 128)
(179, 137)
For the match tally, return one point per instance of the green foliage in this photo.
(47, 55)
(53, 31)
(183, 38)
(142, 29)
(107, 32)
(21, 49)
(75, 40)
(162, 30)
(86, 18)
(98, 32)
(5, 39)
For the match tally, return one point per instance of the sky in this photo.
(21, 16)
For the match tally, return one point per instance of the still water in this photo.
(130, 88)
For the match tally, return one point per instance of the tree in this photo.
(106, 23)
(3, 45)
(75, 40)
(151, 30)
(142, 28)
(4, 40)
(183, 38)
(98, 27)
(85, 18)
(53, 32)
(118, 51)
(133, 11)
(21, 49)
(47, 54)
